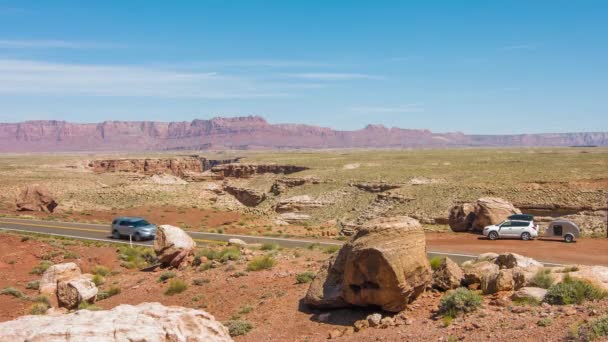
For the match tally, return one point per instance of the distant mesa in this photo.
(250, 133)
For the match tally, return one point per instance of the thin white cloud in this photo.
(519, 47)
(44, 78)
(406, 108)
(333, 76)
(53, 44)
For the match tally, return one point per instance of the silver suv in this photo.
(514, 229)
(136, 227)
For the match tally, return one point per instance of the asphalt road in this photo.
(99, 232)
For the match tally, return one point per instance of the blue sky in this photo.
(486, 67)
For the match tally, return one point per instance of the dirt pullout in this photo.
(586, 251)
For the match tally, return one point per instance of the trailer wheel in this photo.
(568, 238)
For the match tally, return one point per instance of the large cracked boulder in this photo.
(511, 260)
(71, 293)
(484, 212)
(58, 273)
(36, 198)
(383, 265)
(173, 246)
(150, 322)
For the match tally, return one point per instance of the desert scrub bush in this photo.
(544, 322)
(305, 277)
(88, 306)
(569, 269)
(39, 309)
(238, 327)
(112, 291)
(200, 282)
(269, 246)
(259, 263)
(245, 309)
(331, 249)
(573, 291)
(33, 285)
(136, 257)
(166, 276)
(11, 291)
(100, 270)
(41, 267)
(461, 300)
(70, 255)
(223, 255)
(435, 262)
(313, 246)
(527, 301)
(591, 330)
(542, 279)
(176, 286)
(98, 280)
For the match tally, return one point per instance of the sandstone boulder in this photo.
(597, 275)
(485, 211)
(57, 273)
(448, 275)
(249, 197)
(173, 246)
(36, 198)
(70, 293)
(497, 282)
(529, 293)
(298, 203)
(492, 210)
(383, 265)
(474, 272)
(511, 260)
(237, 242)
(150, 322)
(293, 217)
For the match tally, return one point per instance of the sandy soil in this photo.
(274, 298)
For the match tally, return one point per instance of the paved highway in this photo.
(100, 232)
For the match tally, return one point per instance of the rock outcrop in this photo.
(293, 217)
(58, 273)
(298, 203)
(383, 265)
(173, 246)
(484, 212)
(280, 185)
(512, 260)
(35, 198)
(530, 293)
(149, 166)
(375, 187)
(248, 197)
(72, 292)
(150, 322)
(448, 275)
(248, 170)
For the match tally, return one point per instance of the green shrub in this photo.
(11, 291)
(313, 246)
(435, 262)
(166, 276)
(305, 277)
(136, 257)
(461, 300)
(112, 291)
(100, 270)
(542, 279)
(569, 269)
(176, 286)
(33, 285)
(238, 327)
(223, 255)
(527, 301)
(573, 291)
(331, 249)
(544, 322)
(591, 330)
(39, 309)
(261, 263)
(200, 281)
(41, 267)
(42, 299)
(98, 280)
(70, 255)
(245, 309)
(269, 246)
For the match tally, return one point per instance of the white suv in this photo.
(514, 229)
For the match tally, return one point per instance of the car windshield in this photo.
(140, 223)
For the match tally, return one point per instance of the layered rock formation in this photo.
(57, 273)
(149, 166)
(375, 187)
(35, 198)
(383, 265)
(248, 133)
(150, 322)
(248, 170)
(249, 197)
